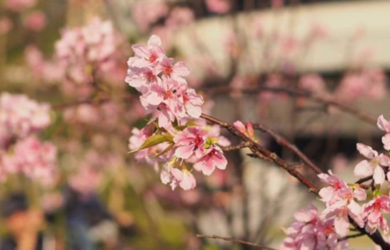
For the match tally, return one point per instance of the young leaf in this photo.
(154, 140)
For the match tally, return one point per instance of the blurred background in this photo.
(278, 62)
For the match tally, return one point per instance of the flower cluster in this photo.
(83, 53)
(31, 157)
(312, 231)
(175, 135)
(20, 116)
(347, 201)
(20, 150)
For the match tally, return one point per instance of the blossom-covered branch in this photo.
(177, 141)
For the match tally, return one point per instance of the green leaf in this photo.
(154, 140)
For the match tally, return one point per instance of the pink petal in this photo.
(366, 151)
(184, 152)
(220, 162)
(386, 141)
(384, 160)
(240, 126)
(326, 193)
(188, 182)
(363, 169)
(140, 50)
(150, 98)
(379, 175)
(304, 215)
(360, 194)
(341, 226)
(177, 174)
(181, 69)
(383, 124)
(193, 111)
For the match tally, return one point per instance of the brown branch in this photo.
(285, 143)
(264, 153)
(252, 244)
(235, 147)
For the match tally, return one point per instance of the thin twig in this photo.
(330, 101)
(252, 244)
(285, 143)
(352, 236)
(362, 180)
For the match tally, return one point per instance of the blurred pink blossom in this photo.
(277, 3)
(146, 13)
(35, 21)
(19, 5)
(370, 83)
(313, 83)
(218, 6)
(86, 180)
(35, 159)
(311, 231)
(88, 53)
(41, 68)
(21, 116)
(179, 16)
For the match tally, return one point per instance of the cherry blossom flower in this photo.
(311, 231)
(338, 190)
(212, 159)
(147, 55)
(177, 71)
(190, 143)
(373, 166)
(373, 213)
(340, 202)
